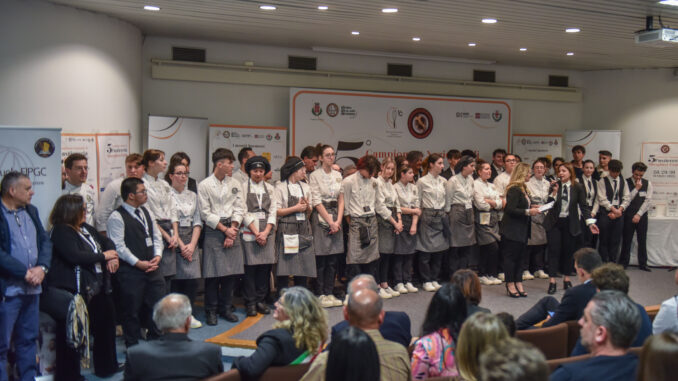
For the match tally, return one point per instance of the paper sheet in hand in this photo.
(546, 207)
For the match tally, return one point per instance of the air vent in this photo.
(558, 80)
(188, 54)
(400, 70)
(302, 63)
(483, 76)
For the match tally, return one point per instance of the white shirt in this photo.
(89, 194)
(110, 201)
(240, 176)
(324, 186)
(481, 191)
(591, 199)
(459, 190)
(116, 232)
(538, 189)
(387, 198)
(625, 199)
(408, 195)
(667, 317)
(220, 199)
(360, 195)
(188, 210)
(501, 182)
(566, 191)
(259, 189)
(431, 191)
(160, 198)
(648, 198)
(281, 191)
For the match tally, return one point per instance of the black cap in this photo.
(256, 162)
(292, 165)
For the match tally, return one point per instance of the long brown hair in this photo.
(428, 162)
(68, 210)
(570, 168)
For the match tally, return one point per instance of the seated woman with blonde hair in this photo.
(480, 332)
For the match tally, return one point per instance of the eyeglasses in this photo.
(182, 173)
(142, 192)
(510, 160)
(330, 155)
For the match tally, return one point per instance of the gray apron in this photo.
(462, 226)
(186, 269)
(253, 252)
(387, 236)
(404, 242)
(486, 234)
(168, 263)
(219, 261)
(537, 232)
(303, 262)
(431, 237)
(357, 254)
(325, 243)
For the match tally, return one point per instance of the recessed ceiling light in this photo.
(355, 33)
(669, 2)
(416, 38)
(523, 49)
(570, 53)
(390, 10)
(323, 7)
(573, 30)
(151, 8)
(471, 44)
(489, 21)
(268, 7)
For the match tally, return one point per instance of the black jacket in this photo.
(515, 224)
(274, 348)
(577, 199)
(572, 305)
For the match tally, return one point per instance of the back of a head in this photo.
(171, 312)
(610, 276)
(615, 311)
(658, 358)
(469, 283)
(362, 281)
(307, 320)
(446, 310)
(352, 356)
(587, 259)
(513, 360)
(364, 308)
(480, 331)
(509, 322)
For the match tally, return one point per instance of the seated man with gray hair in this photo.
(173, 356)
(610, 323)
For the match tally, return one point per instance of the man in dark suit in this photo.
(497, 166)
(574, 301)
(174, 356)
(453, 157)
(396, 325)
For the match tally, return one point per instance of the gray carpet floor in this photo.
(647, 288)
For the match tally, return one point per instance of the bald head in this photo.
(172, 313)
(365, 309)
(361, 282)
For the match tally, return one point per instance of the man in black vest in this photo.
(139, 245)
(613, 198)
(636, 216)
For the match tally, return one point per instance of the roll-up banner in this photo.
(112, 149)
(662, 170)
(530, 147)
(171, 134)
(593, 141)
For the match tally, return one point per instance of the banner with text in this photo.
(593, 141)
(662, 162)
(531, 147)
(173, 133)
(385, 124)
(86, 145)
(112, 149)
(35, 152)
(268, 142)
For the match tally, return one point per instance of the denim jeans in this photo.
(19, 320)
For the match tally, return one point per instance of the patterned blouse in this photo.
(433, 356)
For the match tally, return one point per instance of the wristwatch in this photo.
(44, 269)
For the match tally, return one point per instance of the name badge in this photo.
(366, 209)
(615, 203)
(642, 194)
(468, 206)
(185, 221)
(301, 216)
(97, 268)
(262, 215)
(149, 241)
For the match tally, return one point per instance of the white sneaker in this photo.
(195, 323)
(325, 302)
(392, 291)
(541, 274)
(485, 281)
(335, 302)
(428, 286)
(401, 288)
(384, 294)
(501, 277)
(436, 285)
(410, 287)
(527, 275)
(495, 281)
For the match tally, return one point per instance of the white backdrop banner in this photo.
(112, 149)
(268, 142)
(662, 162)
(385, 124)
(172, 134)
(37, 153)
(86, 145)
(593, 141)
(531, 147)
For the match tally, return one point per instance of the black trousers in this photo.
(283, 282)
(561, 248)
(402, 268)
(219, 293)
(458, 259)
(326, 268)
(641, 230)
(610, 236)
(139, 291)
(385, 261)
(488, 259)
(534, 260)
(256, 284)
(429, 265)
(188, 287)
(371, 268)
(513, 252)
(537, 313)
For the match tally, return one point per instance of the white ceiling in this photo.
(445, 27)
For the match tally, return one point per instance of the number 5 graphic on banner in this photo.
(348, 146)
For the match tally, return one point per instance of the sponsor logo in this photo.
(112, 149)
(316, 110)
(277, 136)
(269, 137)
(226, 134)
(496, 116)
(665, 148)
(332, 110)
(482, 115)
(349, 111)
(420, 123)
(44, 147)
(392, 116)
(464, 115)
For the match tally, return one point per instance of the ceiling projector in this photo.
(661, 38)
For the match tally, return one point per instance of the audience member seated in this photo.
(667, 317)
(365, 311)
(513, 360)
(352, 357)
(479, 332)
(611, 276)
(173, 356)
(572, 305)
(469, 284)
(658, 358)
(509, 322)
(433, 354)
(296, 338)
(396, 325)
(610, 323)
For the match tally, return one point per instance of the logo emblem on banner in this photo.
(332, 110)
(226, 134)
(316, 110)
(44, 147)
(665, 148)
(420, 123)
(496, 116)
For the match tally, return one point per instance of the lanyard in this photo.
(90, 240)
(258, 195)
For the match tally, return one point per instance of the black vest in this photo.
(135, 234)
(609, 192)
(638, 200)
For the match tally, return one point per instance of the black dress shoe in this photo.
(229, 316)
(118, 368)
(211, 317)
(251, 310)
(263, 308)
(645, 268)
(567, 284)
(552, 289)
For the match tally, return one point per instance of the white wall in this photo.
(68, 68)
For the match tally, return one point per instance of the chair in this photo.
(652, 311)
(572, 334)
(552, 341)
(274, 373)
(555, 363)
